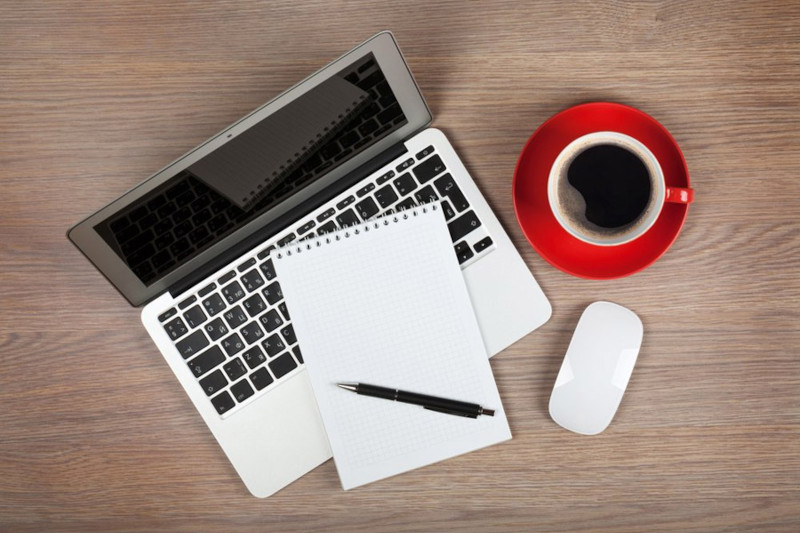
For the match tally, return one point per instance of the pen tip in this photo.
(347, 386)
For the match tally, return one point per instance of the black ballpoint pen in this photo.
(433, 403)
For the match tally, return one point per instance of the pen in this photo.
(443, 405)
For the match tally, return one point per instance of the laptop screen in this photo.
(184, 216)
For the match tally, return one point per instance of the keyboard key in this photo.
(187, 302)
(325, 215)
(386, 177)
(446, 186)
(138, 213)
(180, 247)
(463, 225)
(218, 222)
(405, 184)
(233, 292)
(213, 382)
(387, 99)
(242, 390)
(252, 332)
(365, 190)
(273, 345)
(247, 264)
(206, 290)
(175, 328)
(362, 142)
(123, 222)
(330, 150)
(344, 203)
(368, 127)
(386, 196)
(127, 234)
(261, 378)
(483, 244)
(425, 152)
(288, 334)
(206, 361)
(265, 252)
(347, 218)
(389, 114)
(348, 139)
(405, 165)
(429, 169)
(306, 227)
(222, 402)
(372, 109)
(235, 317)
(344, 154)
(227, 277)
(463, 252)
(408, 203)
(214, 304)
(169, 313)
(215, 329)
(286, 240)
(194, 316)
(254, 305)
(182, 200)
(282, 365)
(284, 310)
(298, 355)
(252, 280)
(426, 195)
(200, 235)
(308, 169)
(254, 357)
(233, 344)
(273, 293)
(268, 268)
(178, 189)
(271, 320)
(367, 208)
(192, 344)
(235, 369)
(326, 228)
(448, 210)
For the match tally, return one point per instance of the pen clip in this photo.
(449, 412)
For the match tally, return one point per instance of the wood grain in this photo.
(95, 435)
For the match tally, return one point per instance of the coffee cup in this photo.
(607, 189)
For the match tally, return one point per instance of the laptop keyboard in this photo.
(235, 333)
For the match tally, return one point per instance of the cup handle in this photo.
(679, 195)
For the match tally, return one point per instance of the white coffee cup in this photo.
(607, 189)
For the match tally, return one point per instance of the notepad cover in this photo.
(386, 303)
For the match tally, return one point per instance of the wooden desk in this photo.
(95, 433)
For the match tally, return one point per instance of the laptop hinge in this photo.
(280, 223)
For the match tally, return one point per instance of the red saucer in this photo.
(536, 218)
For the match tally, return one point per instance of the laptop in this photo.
(199, 261)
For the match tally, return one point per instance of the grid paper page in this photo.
(388, 306)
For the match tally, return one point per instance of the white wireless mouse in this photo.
(596, 369)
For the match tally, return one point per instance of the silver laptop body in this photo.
(215, 309)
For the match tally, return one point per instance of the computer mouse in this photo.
(596, 368)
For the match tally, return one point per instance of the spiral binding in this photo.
(356, 229)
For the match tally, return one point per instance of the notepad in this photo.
(385, 303)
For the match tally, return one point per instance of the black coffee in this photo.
(614, 183)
